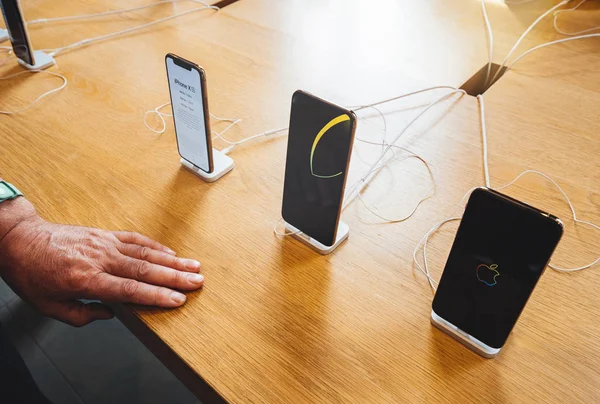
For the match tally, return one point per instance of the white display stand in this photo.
(3, 35)
(221, 162)
(464, 338)
(42, 61)
(342, 234)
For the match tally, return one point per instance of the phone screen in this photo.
(318, 155)
(185, 85)
(500, 251)
(16, 30)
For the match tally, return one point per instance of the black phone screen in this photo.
(318, 155)
(16, 30)
(500, 251)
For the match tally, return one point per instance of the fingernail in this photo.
(195, 279)
(171, 251)
(192, 264)
(177, 297)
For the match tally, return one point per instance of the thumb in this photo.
(78, 314)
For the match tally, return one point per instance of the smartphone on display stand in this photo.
(17, 30)
(19, 38)
(319, 147)
(500, 251)
(187, 87)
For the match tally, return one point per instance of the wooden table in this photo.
(277, 322)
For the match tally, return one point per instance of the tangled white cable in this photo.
(217, 135)
(425, 239)
(376, 167)
(160, 115)
(527, 31)
(10, 76)
(573, 35)
(570, 10)
(360, 185)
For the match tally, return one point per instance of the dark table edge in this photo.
(224, 3)
(193, 381)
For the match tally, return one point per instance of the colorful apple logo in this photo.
(487, 274)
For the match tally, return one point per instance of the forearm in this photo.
(12, 213)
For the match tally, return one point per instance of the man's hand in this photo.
(51, 266)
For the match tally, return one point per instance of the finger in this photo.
(158, 257)
(78, 314)
(144, 271)
(136, 238)
(114, 289)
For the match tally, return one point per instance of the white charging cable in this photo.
(425, 239)
(558, 41)
(490, 36)
(107, 13)
(162, 115)
(428, 194)
(527, 31)
(570, 10)
(57, 51)
(10, 76)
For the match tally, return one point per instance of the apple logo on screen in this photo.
(487, 274)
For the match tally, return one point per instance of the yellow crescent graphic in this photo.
(331, 124)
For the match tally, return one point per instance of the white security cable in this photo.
(486, 168)
(372, 172)
(161, 115)
(57, 51)
(527, 31)
(10, 76)
(428, 194)
(570, 10)
(558, 41)
(248, 139)
(361, 107)
(490, 36)
(107, 13)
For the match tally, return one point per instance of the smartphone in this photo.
(501, 249)
(189, 102)
(17, 30)
(320, 141)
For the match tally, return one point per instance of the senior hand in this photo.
(51, 266)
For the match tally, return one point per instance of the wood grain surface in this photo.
(276, 322)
